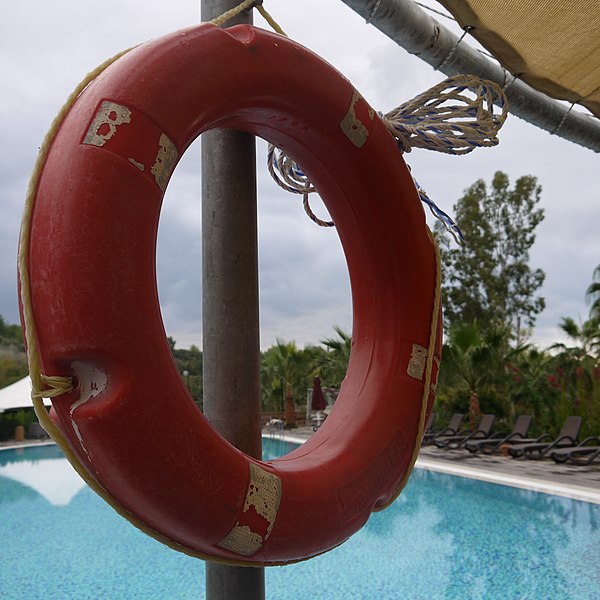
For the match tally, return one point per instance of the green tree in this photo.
(335, 361)
(585, 336)
(578, 383)
(535, 387)
(13, 360)
(10, 334)
(593, 294)
(489, 279)
(473, 366)
(12, 369)
(285, 371)
(578, 371)
(189, 365)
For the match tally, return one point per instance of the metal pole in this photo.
(231, 335)
(404, 22)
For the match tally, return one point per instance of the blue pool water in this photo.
(445, 538)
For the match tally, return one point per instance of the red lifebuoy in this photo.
(130, 420)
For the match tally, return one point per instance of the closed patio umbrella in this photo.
(318, 400)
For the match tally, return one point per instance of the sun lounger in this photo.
(36, 432)
(451, 429)
(457, 441)
(542, 445)
(582, 454)
(492, 444)
(430, 422)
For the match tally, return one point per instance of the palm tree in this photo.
(580, 363)
(474, 358)
(335, 361)
(586, 336)
(283, 367)
(466, 355)
(592, 294)
(535, 385)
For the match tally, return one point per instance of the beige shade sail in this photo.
(552, 45)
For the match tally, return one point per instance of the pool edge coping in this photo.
(564, 490)
(543, 486)
(30, 444)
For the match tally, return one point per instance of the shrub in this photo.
(10, 420)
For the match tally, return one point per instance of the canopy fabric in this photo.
(17, 395)
(554, 46)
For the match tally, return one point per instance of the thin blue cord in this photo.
(439, 214)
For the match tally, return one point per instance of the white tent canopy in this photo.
(17, 395)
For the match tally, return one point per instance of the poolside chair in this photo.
(36, 432)
(457, 441)
(429, 424)
(495, 442)
(450, 429)
(542, 445)
(582, 454)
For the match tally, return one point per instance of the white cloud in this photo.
(303, 278)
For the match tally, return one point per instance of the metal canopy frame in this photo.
(411, 27)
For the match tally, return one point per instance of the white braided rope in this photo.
(444, 119)
(289, 176)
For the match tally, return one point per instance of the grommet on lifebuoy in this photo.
(129, 423)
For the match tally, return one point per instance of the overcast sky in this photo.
(48, 47)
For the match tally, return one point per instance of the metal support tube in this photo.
(231, 335)
(404, 22)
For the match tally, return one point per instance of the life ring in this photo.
(129, 424)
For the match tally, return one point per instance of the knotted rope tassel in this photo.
(446, 119)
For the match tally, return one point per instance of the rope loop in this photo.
(248, 5)
(286, 173)
(55, 386)
(446, 119)
(233, 12)
(289, 176)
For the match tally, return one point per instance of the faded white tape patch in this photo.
(109, 116)
(91, 382)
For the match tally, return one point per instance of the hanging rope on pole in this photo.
(454, 117)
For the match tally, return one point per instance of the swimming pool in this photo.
(445, 537)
